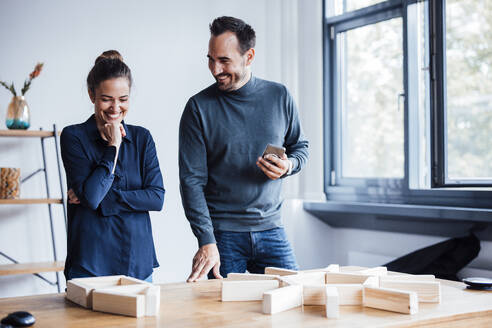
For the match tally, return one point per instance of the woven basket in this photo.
(9, 183)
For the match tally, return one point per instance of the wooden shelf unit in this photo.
(35, 267)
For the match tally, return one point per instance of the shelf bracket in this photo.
(31, 175)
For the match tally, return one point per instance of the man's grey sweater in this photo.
(221, 135)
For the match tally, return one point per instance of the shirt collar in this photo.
(245, 90)
(93, 132)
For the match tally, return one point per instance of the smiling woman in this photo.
(113, 181)
(111, 100)
(109, 83)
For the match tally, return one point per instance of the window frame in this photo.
(384, 190)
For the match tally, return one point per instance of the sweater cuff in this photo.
(207, 237)
(293, 168)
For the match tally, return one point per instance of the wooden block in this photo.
(279, 271)
(427, 291)
(345, 278)
(352, 268)
(376, 271)
(282, 299)
(391, 300)
(244, 290)
(153, 301)
(251, 276)
(151, 292)
(332, 307)
(100, 281)
(330, 268)
(79, 293)
(348, 294)
(306, 278)
(412, 277)
(132, 281)
(285, 282)
(131, 300)
(79, 290)
(314, 294)
(130, 305)
(371, 282)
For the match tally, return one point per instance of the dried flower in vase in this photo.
(27, 83)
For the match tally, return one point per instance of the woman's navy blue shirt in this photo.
(109, 232)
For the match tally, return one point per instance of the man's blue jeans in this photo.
(253, 251)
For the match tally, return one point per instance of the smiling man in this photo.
(231, 195)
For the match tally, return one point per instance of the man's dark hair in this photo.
(244, 32)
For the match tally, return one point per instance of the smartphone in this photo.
(274, 150)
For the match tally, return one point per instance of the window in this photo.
(468, 110)
(371, 81)
(408, 101)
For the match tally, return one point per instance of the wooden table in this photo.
(199, 305)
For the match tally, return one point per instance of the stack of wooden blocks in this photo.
(116, 294)
(333, 286)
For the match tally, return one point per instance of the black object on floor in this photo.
(19, 319)
(443, 259)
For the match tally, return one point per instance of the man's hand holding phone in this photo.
(274, 162)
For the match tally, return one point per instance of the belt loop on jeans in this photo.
(253, 242)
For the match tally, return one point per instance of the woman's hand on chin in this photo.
(113, 133)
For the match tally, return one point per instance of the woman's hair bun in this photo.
(109, 54)
(109, 65)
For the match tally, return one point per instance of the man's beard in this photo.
(232, 85)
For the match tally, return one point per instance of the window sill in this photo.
(436, 198)
(419, 219)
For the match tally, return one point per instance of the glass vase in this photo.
(18, 115)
